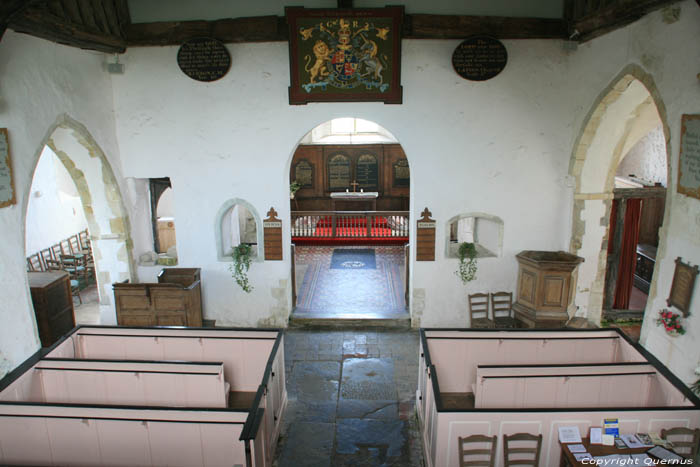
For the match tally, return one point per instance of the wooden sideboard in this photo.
(176, 300)
(53, 304)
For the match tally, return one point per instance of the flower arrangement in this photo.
(671, 322)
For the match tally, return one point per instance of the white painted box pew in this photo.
(138, 435)
(45, 434)
(669, 402)
(106, 382)
(563, 386)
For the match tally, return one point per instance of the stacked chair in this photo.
(73, 255)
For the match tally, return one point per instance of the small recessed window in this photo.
(484, 230)
(238, 223)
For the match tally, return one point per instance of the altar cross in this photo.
(354, 186)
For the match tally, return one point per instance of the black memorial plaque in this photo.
(338, 172)
(367, 172)
(402, 174)
(479, 58)
(304, 174)
(204, 59)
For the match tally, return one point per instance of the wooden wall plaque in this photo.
(7, 182)
(272, 234)
(682, 286)
(304, 173)
(689, 163)
(479, 58)
(401, 174)
(204, 59)
(367, 172)
(425, 238)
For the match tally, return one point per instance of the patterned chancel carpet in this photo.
(350, 280)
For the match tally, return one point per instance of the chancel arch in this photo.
(102, 203)
(350, 190)
(629, 109)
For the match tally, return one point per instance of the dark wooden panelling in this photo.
(318, 198)
(651, 220)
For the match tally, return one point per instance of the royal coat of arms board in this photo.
(345, 55)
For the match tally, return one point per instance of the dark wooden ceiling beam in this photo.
(88, 14)
(460, 27)
(233, 30)
(112, 18)
(100, 16)
(73, 11)
(9, 9)
(41, 23)
(274, 28)
(614, 16)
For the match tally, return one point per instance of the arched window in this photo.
(484, 230)
(238, 222)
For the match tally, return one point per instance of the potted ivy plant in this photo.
(467, 262)
(241, 264)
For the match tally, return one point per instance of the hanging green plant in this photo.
(241, 264)
(467, 262)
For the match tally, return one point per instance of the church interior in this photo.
(348, 233)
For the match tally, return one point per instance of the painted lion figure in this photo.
(322, 54)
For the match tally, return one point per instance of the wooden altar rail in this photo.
(350, 224)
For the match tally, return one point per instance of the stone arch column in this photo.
(105, 212)
(596, 154)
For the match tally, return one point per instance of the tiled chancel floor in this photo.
(351, 399)
(351, 291)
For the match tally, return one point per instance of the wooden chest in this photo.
(176, 300)
(53, 304)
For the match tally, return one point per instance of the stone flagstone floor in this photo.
(351, 399)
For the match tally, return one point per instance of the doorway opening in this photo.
(349, 200)
(76, 227)
(620, 165)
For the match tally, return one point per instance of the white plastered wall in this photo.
(653, 54)
(501, 147)
(55, 211)
(41, 84)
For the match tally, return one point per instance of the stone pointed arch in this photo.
(596, 154)
(102, 201)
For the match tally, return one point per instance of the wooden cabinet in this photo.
(176, 300)
(53, 304)
(544, 288)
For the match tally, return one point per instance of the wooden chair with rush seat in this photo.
(479, 311)
(477, 450)
(685, 441)
(521, 449)
(502, 309)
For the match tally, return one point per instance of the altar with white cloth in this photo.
(354, 201)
